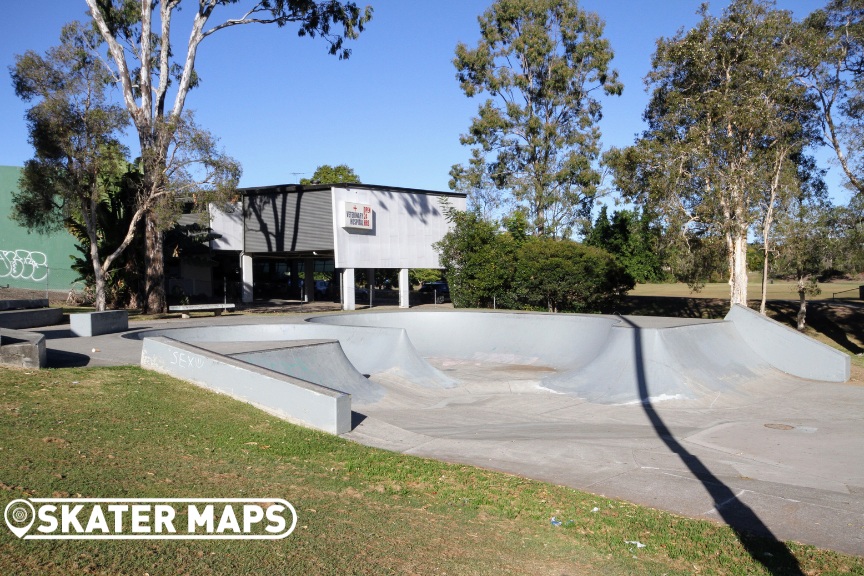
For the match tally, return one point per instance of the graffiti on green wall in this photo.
(23, 264)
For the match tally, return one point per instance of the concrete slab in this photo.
(30, 318)
(97, 323)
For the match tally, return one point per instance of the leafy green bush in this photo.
(506, 268)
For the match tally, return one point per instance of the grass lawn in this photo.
(777, 290)
(834, 322)
(126, 432)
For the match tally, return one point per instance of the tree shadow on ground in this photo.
(751, 531)
(675, 306)
(836, 321)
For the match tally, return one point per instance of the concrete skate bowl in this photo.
(704, 418)
(602, 358)
(361, 359)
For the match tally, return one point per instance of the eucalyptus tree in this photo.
(147, 66)
(75, 132)
(727, 126)
(830, 61)
(543, 64)
(802, 241)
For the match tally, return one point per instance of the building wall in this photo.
(229, 226)
(288, 222)
(404, 228)
(27, 259)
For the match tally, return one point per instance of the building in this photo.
(276, 238)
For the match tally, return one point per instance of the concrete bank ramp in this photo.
(614, 360)
(320, 362)
(367, 350)
(688, 362)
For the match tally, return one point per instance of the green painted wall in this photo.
(27, 259)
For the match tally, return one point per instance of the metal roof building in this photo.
(284, 234)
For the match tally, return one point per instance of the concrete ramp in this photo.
(689, 362)
(554, 340)
(323, 363)
(285, 396)
(369, 351)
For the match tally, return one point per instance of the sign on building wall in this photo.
(356, 216)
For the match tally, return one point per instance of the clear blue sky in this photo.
(393, 112)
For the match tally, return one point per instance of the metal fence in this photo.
(23, 279)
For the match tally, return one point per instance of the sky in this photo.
(393, 111)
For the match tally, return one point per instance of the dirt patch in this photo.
(526, 368)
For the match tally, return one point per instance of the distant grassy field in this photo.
(834, 322)
(126, 432)
(777, 290)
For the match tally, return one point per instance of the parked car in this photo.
(439, 290)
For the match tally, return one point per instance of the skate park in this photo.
(709, 419)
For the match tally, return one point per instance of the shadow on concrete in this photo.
(63, 359)
(56, 333)
(753, 534)
(356, 419)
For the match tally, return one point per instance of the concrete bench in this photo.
(30, 318)
(96, 323)
(23, 349)
(186, 308)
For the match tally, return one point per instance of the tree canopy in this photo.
(327, 174)
(510, 269)
(727, 128)
(74, 130)
(830, 60)
(146, 65)
(535, 139)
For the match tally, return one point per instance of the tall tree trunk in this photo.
(764, 277)
(88, 209)
(738, 272)
(768, 221)
(802, 306)
(99, 279)
(154, 262)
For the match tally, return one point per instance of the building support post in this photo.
(404, 288)
(308, 280)
(348, 289)
(246, 266)
(370, 280)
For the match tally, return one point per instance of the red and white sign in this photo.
(356, 216)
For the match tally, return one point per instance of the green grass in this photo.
(777, 290)
(126, 432)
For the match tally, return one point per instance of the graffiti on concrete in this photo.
(186, 360)
(23, 265)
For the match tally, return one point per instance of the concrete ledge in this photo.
(96, 323)
(186, 308)
(787, 349)
(16, 319)
(19, 348)
(23, 304)
(288, 398)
